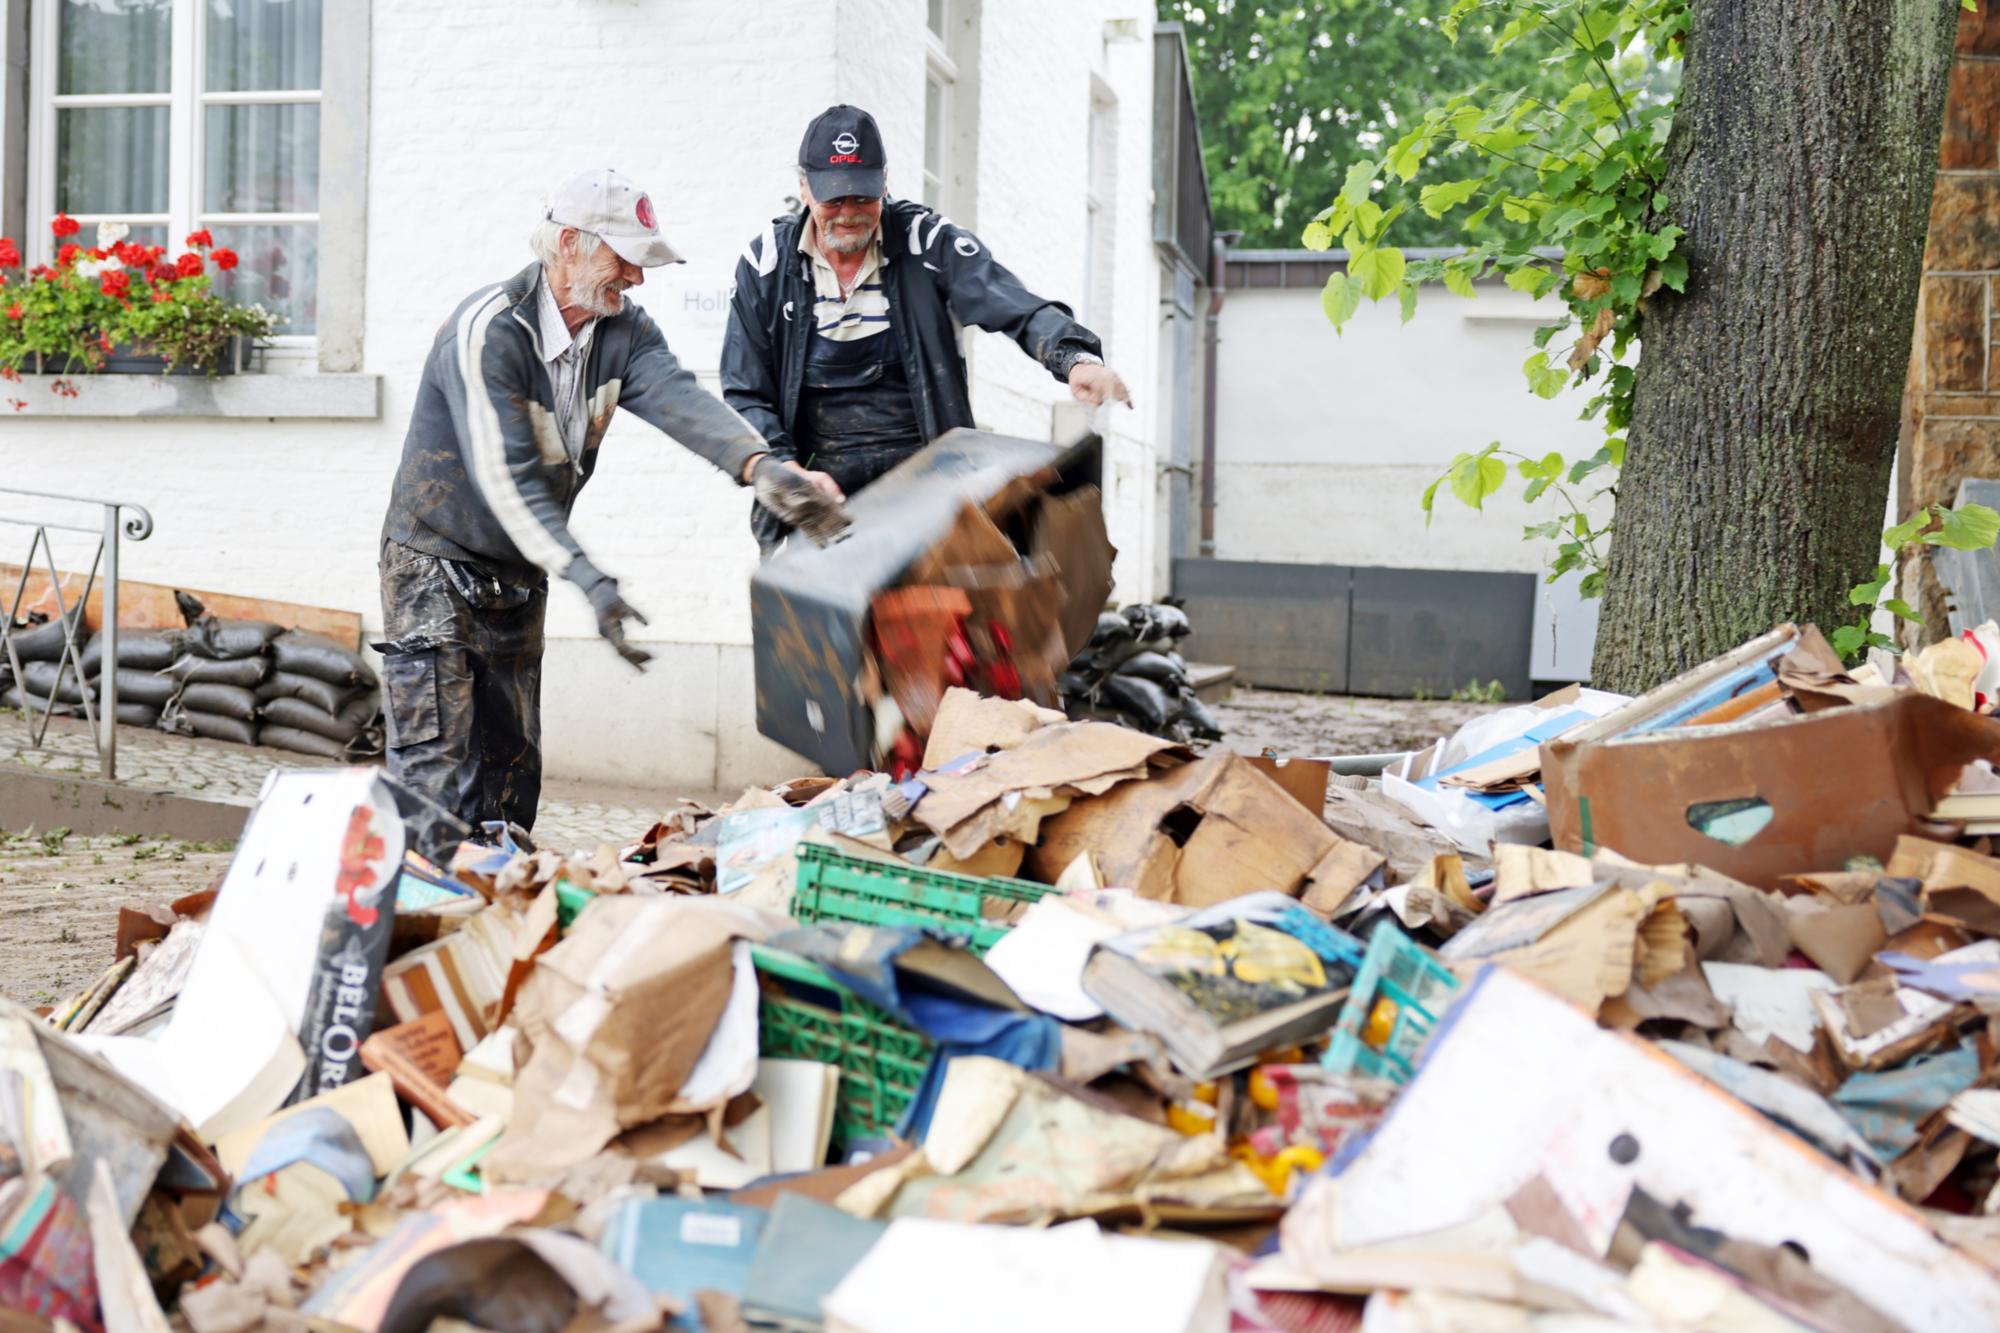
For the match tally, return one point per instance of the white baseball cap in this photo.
(617, 211)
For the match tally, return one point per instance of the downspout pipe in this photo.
(1218, 272)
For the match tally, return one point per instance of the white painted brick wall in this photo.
(476, 107)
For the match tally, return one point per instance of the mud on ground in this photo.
(60, 895)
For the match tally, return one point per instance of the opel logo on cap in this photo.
(845, 143)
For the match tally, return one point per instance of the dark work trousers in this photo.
(851, 469)
(462, 685)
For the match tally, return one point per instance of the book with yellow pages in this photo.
(1222, 984)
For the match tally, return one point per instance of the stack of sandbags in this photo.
(320, 698)
(142, 654)
(1132, 672)
(49, 684)
(215, 678)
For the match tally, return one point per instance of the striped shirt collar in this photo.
(824, 277)
(557, 340)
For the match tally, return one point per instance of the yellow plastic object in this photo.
(1190, 1118)
(1275, 1173)
(1263, 1092)
(1208, 1094)
(1381, 1024)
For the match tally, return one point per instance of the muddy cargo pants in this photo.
(462, 685)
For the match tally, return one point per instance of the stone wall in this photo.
(1951, 409)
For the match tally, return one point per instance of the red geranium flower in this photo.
(65, 225)
(10, 254)
(200, 240)
(115, 283)
(14, 311)
(67, 255)
(188, 265)
(224, 257)
(164, 273)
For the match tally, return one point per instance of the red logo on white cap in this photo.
(644, 208)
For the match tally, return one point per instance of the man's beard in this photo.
(601, 299)
(853, 242)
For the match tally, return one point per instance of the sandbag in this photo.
(304, 742)
(13, 698)
(192, 668)
(1194, 714)
(363, 709)
(326, 697)
(145, 687)
(233, 701)
(1160, 668)
(138, 715)
(304, 653)
(1142, 699)
(184, 721)
(42, 643)
(140, 649)
(52, 679)
(222, 639)
(299, 715)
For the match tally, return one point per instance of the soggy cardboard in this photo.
(1841, 783)
(1203, 833)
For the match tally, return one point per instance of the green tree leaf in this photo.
(1360, 178)
(1902, 609)
(1340, 299)
(1318, 236)
(1966, 528)
(1438, 200)
(1407, 294)
(1530, 278)
(1904, 533)
(1848, 641)
(1377, 269)
(1458, 282)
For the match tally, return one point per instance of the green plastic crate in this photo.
(881, 1062)
(836, 887)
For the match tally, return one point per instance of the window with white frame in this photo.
(940, 73)
(174, 116)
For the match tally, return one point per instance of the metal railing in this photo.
(102, 718)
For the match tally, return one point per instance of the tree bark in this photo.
(1768, 396)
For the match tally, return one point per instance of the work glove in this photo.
(795, 500)
(612, 613)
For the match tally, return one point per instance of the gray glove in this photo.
(795, 501)
(612, 613)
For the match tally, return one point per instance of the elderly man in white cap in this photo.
(516, 395)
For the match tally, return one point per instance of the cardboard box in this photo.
(1203, 833)
(809, 606)
(1804, 794)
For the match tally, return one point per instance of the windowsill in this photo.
(248, 396)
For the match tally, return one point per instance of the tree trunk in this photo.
(1768, 396)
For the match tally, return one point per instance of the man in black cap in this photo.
(841, 349)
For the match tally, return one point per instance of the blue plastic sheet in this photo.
(1886, 1108)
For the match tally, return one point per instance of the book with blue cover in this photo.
(678, 1247)
(807, 1249)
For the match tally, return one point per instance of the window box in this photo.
(125, 359)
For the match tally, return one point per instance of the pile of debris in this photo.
(252, 682)
(1073, 1029)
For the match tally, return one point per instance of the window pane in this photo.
(111, 159)
(114, 46)
(277, 268)
(261, 159)
(934, 127)
(263, 45)
(934, 16)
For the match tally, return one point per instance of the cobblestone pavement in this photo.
(571, 816)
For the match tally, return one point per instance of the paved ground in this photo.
(60, 894)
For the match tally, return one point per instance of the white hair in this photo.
(546, 241)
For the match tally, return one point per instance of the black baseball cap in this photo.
(842, 155)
